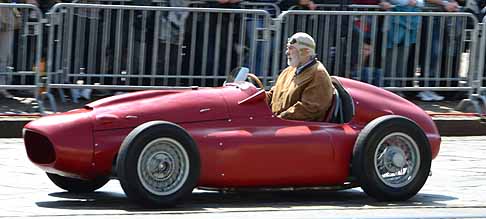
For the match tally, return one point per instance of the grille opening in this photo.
(39, 148)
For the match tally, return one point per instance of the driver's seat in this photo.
(342, 109)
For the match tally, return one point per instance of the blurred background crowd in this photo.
(190, 48)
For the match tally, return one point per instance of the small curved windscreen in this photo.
(237, 74)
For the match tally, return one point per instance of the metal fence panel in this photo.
(394, 50)
(21, 47)
(140, 47)
(482, 55)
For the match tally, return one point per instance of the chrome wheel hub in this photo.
(397, 160)
(163, 166)
(394, 159)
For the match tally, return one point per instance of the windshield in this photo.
(238, 74)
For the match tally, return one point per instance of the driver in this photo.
(303, 90)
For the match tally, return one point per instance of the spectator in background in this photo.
(8, 18)
(437, 46)
(309, 4)
(401, 40)
(448, 5)
(213, 58)
(366, 2)
(476, 7)
(171, 39)
(312, 4)
(367, 71)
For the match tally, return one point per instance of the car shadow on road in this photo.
(204, 201)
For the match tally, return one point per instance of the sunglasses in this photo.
(292, 41)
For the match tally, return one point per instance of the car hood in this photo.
(178, 106)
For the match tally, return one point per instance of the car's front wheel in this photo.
(77, 185)
(158, 164)
(391, 158)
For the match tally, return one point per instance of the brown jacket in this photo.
(306, 96)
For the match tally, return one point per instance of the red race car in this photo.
(162, 144)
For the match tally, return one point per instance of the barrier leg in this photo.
(61, 95)
(475, 104)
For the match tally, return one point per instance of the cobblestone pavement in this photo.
(456, 189)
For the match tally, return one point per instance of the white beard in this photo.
(293, 60)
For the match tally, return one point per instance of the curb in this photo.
(461, 125)
(11, 127)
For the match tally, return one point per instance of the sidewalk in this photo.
(19, 110)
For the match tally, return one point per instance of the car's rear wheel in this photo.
(77, 185)
(158, 164)
(391, 158)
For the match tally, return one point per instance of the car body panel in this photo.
(71, 133)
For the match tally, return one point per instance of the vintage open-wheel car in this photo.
(161, 144)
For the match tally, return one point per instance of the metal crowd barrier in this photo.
(21, 48)
(138, 47)
(482, 56)
(123, 47)
(366, 46)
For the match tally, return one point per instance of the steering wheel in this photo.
(255, 78)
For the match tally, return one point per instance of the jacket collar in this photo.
(305, 66)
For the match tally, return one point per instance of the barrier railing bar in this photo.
(482, 56)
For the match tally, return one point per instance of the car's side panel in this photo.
(258, 149)
(268, 151)
(263, 153)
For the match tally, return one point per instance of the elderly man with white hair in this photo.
(303, 90)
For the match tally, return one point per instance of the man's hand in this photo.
(312, 6)
(451, 6)
(386, 5)
(308, 3)
(32, 2)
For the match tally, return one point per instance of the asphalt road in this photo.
(457, 189)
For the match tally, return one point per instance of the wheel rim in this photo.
(397, 160)
(163, 166)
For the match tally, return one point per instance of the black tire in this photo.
(153, 154)
(366, 165)
(77, 185)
